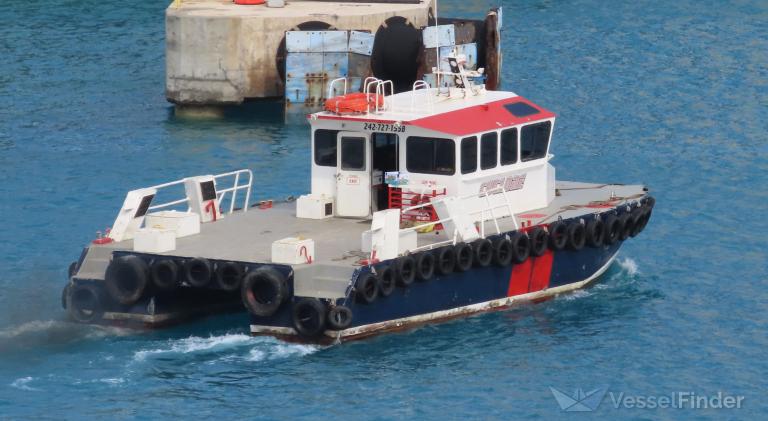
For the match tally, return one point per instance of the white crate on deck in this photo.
(182, 223)
(293, 251)
(154, 240)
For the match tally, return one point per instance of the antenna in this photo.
(437, 50)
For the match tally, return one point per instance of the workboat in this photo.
(425, 205)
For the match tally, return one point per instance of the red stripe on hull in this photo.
(532, 275)
(542, 270)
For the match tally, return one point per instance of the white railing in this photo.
(222, 195)
(488, 210)
(332, 91)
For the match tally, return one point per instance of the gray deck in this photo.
(248, 236)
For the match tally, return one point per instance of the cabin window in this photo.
(469, 155)
(508, 146)
(325, 147)
(534, 140)
(353, 153)
(489, 146)
(429, 155)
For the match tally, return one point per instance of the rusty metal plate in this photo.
(359, 65)
(465, 32)
(303, 65)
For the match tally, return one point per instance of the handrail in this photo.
(486, 194)
(221, 194)
(333, 82)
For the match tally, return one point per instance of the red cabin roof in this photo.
(484, 117)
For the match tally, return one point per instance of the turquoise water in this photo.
(670, 94)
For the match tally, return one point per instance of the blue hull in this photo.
(459, 293)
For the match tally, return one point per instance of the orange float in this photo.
(354, 103)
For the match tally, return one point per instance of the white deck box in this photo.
(182, 223)
(313, 206)
(153, 240)
(293, 251)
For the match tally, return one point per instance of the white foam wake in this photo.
(23, 384)
(238, 346)
(628, 265)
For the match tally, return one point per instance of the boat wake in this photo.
(52, 332)
(23, 384)
(233, 346)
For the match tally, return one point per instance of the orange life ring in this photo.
(354, 103)
(250, 2)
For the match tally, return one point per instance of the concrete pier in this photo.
(218, 52)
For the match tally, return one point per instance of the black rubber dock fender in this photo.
(164, 274)
(425, 266)
(339, 317)
(406, 270)
(502, 251)
(309, 317)
(229, 275)
(539, 239)
(126, 279)
(445, 258)
(367, 288)
(483, 250)
(626, 225)
(558, 237)
(263, 291)
(521, 247)
(464, 257)
(613, 227)
(84, 303)
(577, 235)
(385, 276)
(595, 232)
(198, 272)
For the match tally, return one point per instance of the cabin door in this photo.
(353, 175)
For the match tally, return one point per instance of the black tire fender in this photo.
(425, 266)
(577, 236)
(539, 241)
(626, 225)
(636, 221)
(198, 272)
(126, 279)
(483, 250)
(385, 276)
(595, 232)
(229, 275)
(612, 229)
(502, 252)
(521, 247)
(309, 317)
(85, 303)
(445, 259)
(464, 257)
(164, 274)
(263, 291)
(339, 317)
(558, 237)
(367, 288)
(406, 270)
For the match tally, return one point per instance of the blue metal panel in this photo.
(335, 65)
(302, 65)
(361, 43)
(334, 42)
(444, 34)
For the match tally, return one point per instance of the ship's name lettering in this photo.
(509, 183)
